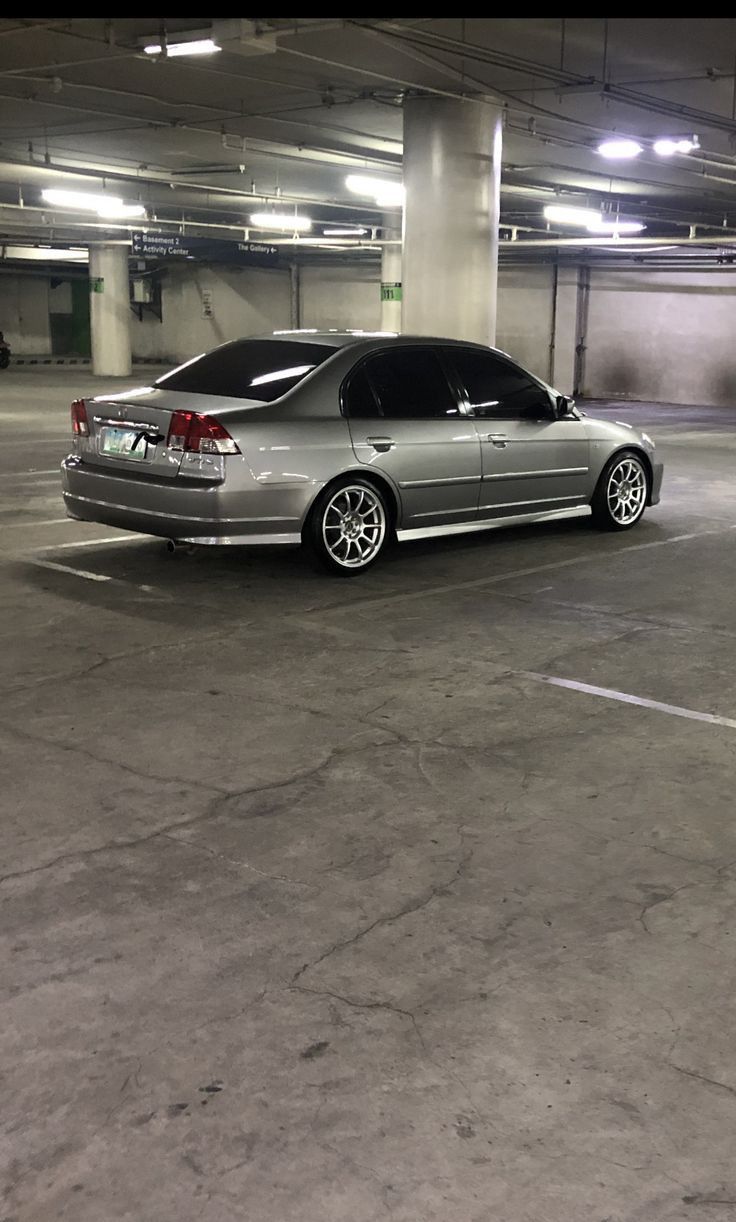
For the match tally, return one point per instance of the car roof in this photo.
(334, 339)
(341, 339)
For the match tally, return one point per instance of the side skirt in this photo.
(517, 519)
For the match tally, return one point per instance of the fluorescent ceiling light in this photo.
(620, 149)
(197, 46)
(107, 206)
(668, 146)
(279, 375)
(588, 218)
(386, 193)
(48, 254)
(567, 215)
(345, 231)
(82, 200)
(391, 195)
(282, 221)
(611, 225)
(116, 208)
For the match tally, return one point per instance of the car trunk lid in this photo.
(129, 432)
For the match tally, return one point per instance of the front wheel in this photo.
(621, 492)
(348, 527)
(4, 358)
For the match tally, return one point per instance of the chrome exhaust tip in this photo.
(179, 545)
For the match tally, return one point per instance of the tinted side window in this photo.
(358, 399)
(410, 384)
(263, 369)
(496, 389)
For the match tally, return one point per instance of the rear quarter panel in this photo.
(296, 451)
(301, 442)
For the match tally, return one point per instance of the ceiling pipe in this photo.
(219, 116)
(719, 237)
(63, 220)
(620, 243)
(499, 59)
(517, 244)
(398, 33)
(159, 224)
(166, 179)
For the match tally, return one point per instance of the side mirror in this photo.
(564, 406)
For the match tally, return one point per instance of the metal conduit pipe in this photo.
(164, 178)
(619, 243)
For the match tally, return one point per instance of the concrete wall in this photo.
(341, 297)
(350, 297)
(660, 335)
(650, 335)
(251, 301)
(525, 306)
(244, 301)
(24, 314)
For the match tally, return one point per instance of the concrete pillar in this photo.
(452, 177)
(109, 310)
(391, 288)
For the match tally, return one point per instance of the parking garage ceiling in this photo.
(287, 108)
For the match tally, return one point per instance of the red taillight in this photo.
(199, 434)
(80, 423)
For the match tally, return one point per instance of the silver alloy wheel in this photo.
(626, 491)
(354, 526)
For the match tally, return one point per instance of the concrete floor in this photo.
(317, 907)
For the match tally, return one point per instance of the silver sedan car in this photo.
(344, 440)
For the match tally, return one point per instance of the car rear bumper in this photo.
(174, 509)
(656, 488)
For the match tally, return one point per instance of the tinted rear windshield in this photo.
(262, 369)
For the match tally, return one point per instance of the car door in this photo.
(531, 461)
(405, 420)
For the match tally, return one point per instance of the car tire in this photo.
(348, 527)
(621, 493)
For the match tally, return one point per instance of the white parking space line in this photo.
(495, 578)
(41, 522)
(33, 482)
(88, 575)
(609, 693)
(39, 441)
(65, 568)
(108, 539)
(31, 471)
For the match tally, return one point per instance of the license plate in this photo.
(119, 443)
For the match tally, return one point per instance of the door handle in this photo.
(381, 444)
(498, 439)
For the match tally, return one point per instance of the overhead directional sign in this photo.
(209, 250)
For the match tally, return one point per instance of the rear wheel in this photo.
(621, 493)
(348, 527)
